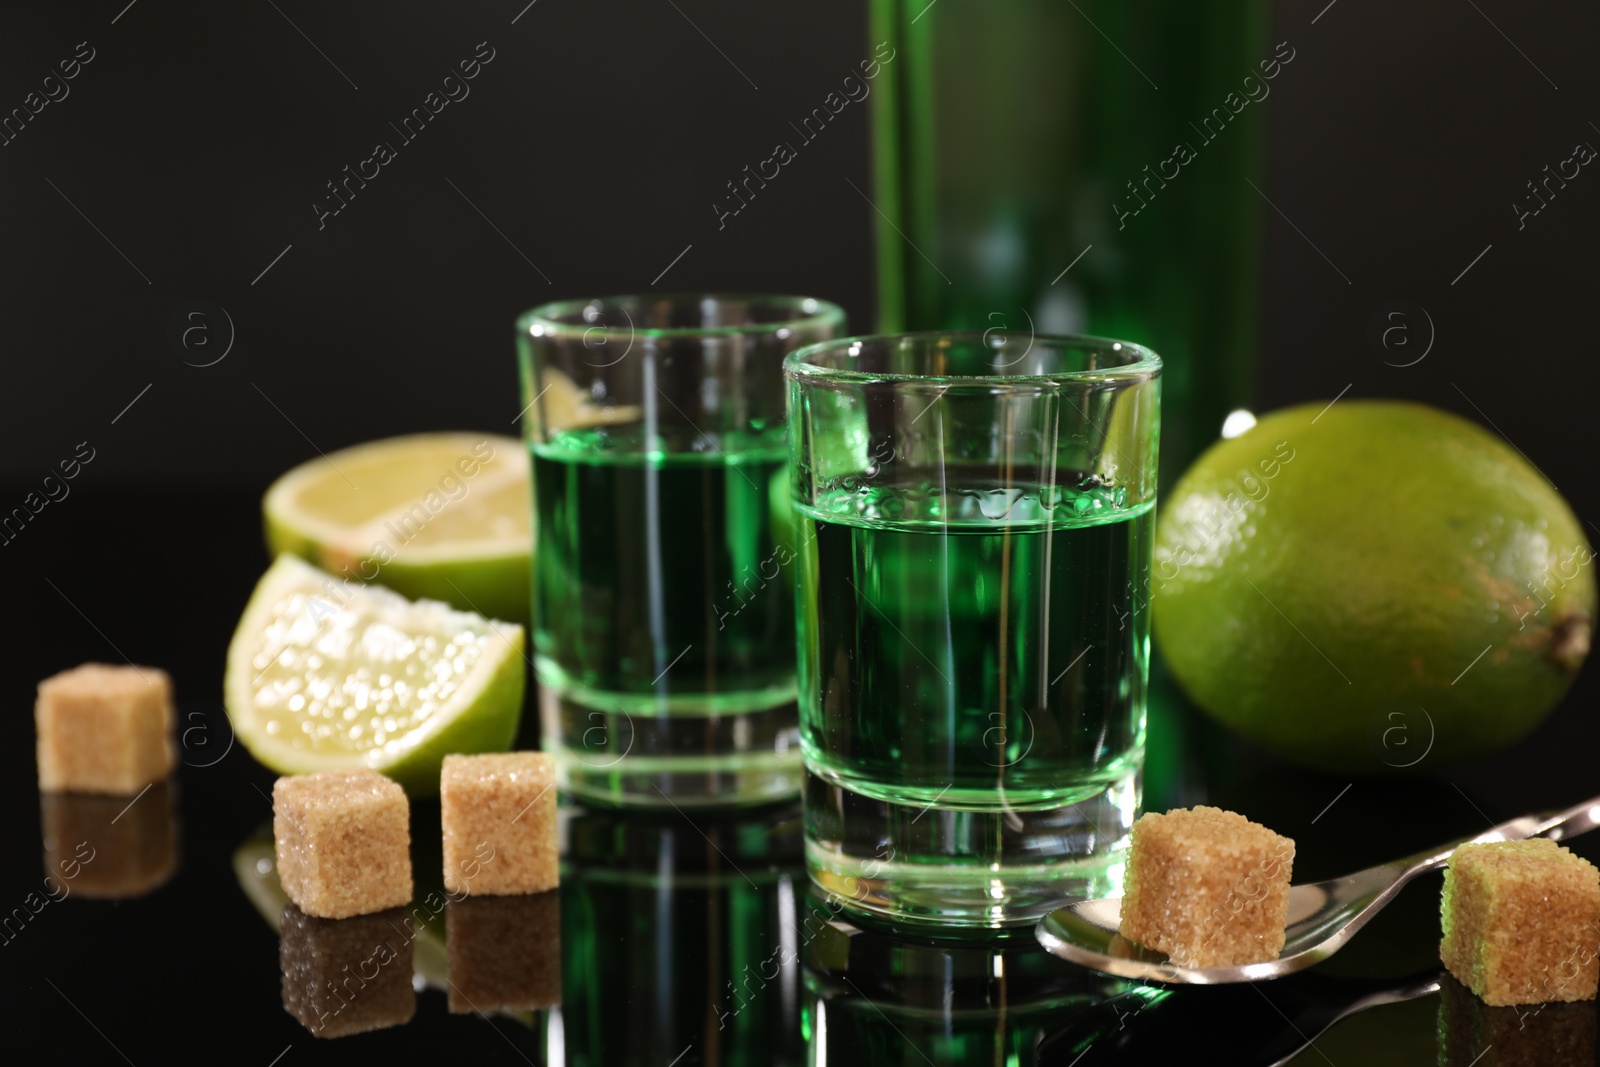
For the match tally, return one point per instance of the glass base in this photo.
(916, 863)
(621, 750)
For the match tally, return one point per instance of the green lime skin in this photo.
(494, 586)
(1371, 588)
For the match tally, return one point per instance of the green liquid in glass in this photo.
(644, 559)
(664, 615)
(993, 661)
(972, 694)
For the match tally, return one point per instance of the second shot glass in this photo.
(976, 519)
(663, 605)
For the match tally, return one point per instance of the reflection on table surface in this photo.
(697, 939)
(109, 847)
(490, 955)
(346, 976)
(680, 938)
(504, 953)
(873, 998)
(702, 939)
(1533, 1034)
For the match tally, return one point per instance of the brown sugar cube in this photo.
(104, 729)
(109, 848)
(1208, 887)
(346, 976)
(343, 842)
(1533, 1036)
(504, 952)
(498, 813)
(1522, 922)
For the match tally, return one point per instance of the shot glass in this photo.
(974, 515)
(663, 610)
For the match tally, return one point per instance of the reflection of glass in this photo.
(872, 999)
(504, 952)
(662, 599)
(346, 976)
(110, 848)
(976, 515)
(681, 934)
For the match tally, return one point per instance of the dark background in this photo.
(201, 134)
(593, 144)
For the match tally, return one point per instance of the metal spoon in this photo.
(1323, 916)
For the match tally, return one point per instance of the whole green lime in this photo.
(1371, 587)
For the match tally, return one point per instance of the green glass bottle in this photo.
(1080, 166)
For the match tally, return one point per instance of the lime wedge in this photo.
(446, 516)
(328, 675)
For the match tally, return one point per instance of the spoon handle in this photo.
(1578, 819)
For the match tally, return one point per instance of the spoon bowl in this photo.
(1323, 916)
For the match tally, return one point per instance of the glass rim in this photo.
(805, 311)
(1144, 365)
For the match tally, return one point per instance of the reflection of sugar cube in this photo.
(344, 842)
(498, 813)
(1208, 887)
(109, 848)
(1522, 922)
(1537, 1036)
(346, 976)
(505, 952)
(104, 729)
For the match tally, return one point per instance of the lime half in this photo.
(445, 516)
(327, 675)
